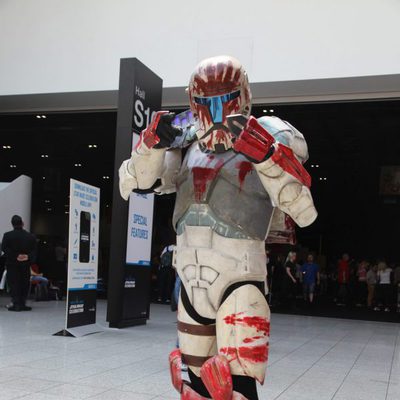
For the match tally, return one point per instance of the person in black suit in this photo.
(19, 247)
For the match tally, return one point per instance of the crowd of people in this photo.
(296, 281)
(347, 282)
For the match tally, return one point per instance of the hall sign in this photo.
(139, 97)
(142, 115)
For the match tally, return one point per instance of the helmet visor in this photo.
(215, 104)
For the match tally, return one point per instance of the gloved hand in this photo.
(160, 133)
(252, 140)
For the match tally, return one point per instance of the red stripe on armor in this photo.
(254, 354)
(244, 167)
(252, 339)
(259, 323)
(284, 157)
(201, 176)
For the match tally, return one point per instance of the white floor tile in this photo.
(310, 358)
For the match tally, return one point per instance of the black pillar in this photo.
(139, 96)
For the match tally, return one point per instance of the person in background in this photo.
(41, 281)
(323, 274)
(278, 277)
(362, 283)
(371, 283)
(384, 287)
(166, 275)
(60, 252)
(343, 279)
(299, 280)
(19, 247)
(311, 277)
(290, 279)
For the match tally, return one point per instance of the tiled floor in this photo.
(310, 359)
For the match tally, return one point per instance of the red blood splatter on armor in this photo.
(254, 354)
(252, 339)
(210, 141)
(230, 352)
(212, 80)
(210, 158)
(201, 176)
(220, 135)
(244, 167)
(259, 323)
(203, 113)
(285, 158)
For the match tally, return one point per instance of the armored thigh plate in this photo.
(209, 263)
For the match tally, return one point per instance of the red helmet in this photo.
(218, 87)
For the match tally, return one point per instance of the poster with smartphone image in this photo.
(83, 247)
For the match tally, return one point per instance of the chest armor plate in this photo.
(222, 191)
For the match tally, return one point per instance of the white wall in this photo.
(15, 198)
(49, 46)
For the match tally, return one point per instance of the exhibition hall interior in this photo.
(207, 215)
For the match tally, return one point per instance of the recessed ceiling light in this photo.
(44, 156)
(106, 177)
(6, 147)
(38, 116)
(43, 177)
(107, 205)
(271, 110)
(265, 111)
(92, 146)
(47, 201)
(77, 165)
(43, 116)
(49, 209)
(66, 212)
(13, 166)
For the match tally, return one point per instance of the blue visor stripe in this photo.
(215, 104)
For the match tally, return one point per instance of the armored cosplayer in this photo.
(236, 172)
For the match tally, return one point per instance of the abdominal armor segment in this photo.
(208, 264)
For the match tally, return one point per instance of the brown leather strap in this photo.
(194, 361)
(199, 330)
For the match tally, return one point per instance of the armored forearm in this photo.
(287, 192)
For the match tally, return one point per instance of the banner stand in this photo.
(80, 331)
(83, 246)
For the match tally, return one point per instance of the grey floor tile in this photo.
(74, 391)
(8, 393)
(30, 384)
(115, 394)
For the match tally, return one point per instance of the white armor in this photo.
(222, 216)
